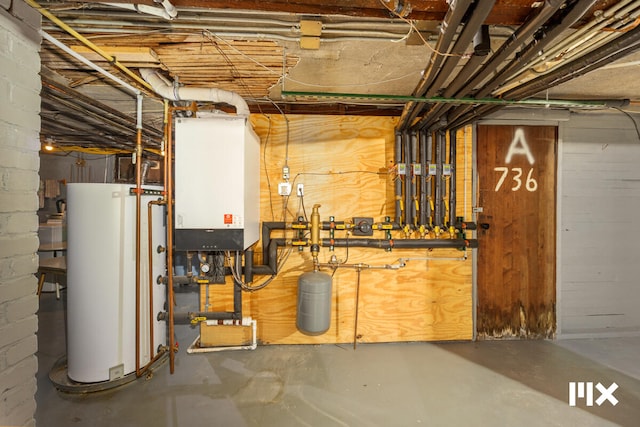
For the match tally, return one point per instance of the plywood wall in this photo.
(342, 163)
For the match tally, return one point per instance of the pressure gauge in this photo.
(205, 268)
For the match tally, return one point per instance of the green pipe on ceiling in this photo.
(437, 99)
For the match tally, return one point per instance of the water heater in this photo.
(217, 184)
(101, 276)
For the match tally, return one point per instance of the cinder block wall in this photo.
(19, 164)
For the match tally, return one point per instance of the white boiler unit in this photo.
(217, 183)
(101, 273)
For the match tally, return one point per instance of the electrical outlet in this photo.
(285, 172)
(300, 190)
(284, 189)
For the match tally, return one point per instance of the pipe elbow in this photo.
(167, 91)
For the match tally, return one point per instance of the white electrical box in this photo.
(217, 184)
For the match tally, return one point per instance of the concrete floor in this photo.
(489, 383)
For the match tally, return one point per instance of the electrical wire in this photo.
(285, 74)
(635, 124)
(286, 120)
(237, 277)
(266, 170)
(417, 31)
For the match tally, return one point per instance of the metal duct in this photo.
(167, 91)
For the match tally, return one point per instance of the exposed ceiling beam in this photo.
(506, 12)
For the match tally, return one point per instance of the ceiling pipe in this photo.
(600, 103)
(98, 107)
(88, 63)
(469, 31)
(111, 59)
(167, 11)
(480, 40)
(614, 50)
(527, 54)
(449, 28)
(589, 42)
(172, 93)
(187, 16)
(517, 39)
(221, 29)
(600, 21)
(537, 46)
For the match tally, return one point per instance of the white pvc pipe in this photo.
(169, 8)
(168, 11)
(167, 91)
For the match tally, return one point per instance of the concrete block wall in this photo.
(19, 165)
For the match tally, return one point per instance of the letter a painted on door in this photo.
(519, 146)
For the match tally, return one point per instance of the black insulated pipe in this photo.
(438, 214)
(537, 46)
(469, 31)
(401, 244)
(512, 43)
(494, 63)
(413, 159)
(424, 164)
(612, 51)
(248, 265)
(406, 157)
(397, 152)
(237, 289)
(481, 48)
(461, 45)
(448, 30)
(452, 177)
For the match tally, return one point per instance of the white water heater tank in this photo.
(101, 274)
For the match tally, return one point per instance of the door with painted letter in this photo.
(516, 207)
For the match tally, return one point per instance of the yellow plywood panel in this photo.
(342, 162)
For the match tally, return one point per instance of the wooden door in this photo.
(516, 231)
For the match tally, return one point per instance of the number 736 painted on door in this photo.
(518, 146)
(530, 182)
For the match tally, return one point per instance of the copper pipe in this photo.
(110, 59)
(169, 194)
(138, 191)
(154, 359)
(150, 248)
